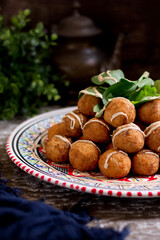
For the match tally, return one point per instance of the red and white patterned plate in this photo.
(25, 150)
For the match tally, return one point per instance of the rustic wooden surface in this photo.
(141, 215)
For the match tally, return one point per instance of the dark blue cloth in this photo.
(21, 219)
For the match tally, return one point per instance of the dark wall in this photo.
(139, 20)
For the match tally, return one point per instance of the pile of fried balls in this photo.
(123, 140)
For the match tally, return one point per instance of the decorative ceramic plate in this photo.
(25, 148)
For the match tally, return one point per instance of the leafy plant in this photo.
(27, 78)
(114, 84)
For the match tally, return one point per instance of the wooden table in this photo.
(142, 215)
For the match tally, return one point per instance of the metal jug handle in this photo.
(115, 60)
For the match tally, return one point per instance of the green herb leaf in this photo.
(109, 77)
(144, 81)
(123, 88)
(98, 109)
(157, 86)
(147, 93)
(144, 75)
(54, 37)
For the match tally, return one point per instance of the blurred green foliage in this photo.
(28, 80)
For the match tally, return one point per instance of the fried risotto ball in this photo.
(114, 163)
(96, 130)
(152, 133)
(128, 138)
(84, 155)
(56, 129)
(149, 112)
(74, 122)
(145, 162)
(119, 111)
(86, 104)
(57, 149)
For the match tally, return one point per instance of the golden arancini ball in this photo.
(149, 112)
(119, 111)
(86, 104)
(74, 122)
(114, 163)
(57, 149)
(145, 162)
(56, 129)
(152, 133)
(84, 155)
(96, 130)
(128, 138)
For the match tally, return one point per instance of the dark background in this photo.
(139, 20)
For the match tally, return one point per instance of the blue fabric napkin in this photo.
(21, 219)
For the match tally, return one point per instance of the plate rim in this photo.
(68, 184)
